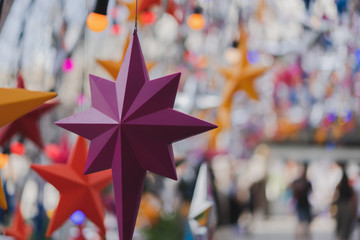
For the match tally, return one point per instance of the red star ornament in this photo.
(19, 230)
(77, 191)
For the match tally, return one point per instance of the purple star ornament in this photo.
(132, 125)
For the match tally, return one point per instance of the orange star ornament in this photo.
(77, 191)
(15, 103)
(19, 230)
(113, 67)
(238, 77)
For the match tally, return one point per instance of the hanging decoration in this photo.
(97, 20)
(238, 77)
(131, 127)
(77, 191)
(80, 234)
(196, 21)
(202, 213)
(27, 125)
(19, 229)
(58, 153)
(17, 102)
(145, 7)
(68, 65)
(17, 148)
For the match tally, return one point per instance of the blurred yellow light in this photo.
(50, 213)
(97, 22)
(196, 21)
(4, 159)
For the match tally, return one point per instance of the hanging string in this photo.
(136, 9)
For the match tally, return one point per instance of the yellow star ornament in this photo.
(15, 103)
(113, 67)
(238, 77)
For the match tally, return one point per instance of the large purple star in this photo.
(131, 126)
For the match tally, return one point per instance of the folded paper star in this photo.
(15, 103)
(239, 77)
(19, 230)
(77, 191)
(113, 67)
(202, 213)
(27, 125)
(131, 126)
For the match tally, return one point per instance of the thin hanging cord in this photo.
(136, 6)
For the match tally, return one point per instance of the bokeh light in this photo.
(78, 217)
(97, 22)
(17, 148)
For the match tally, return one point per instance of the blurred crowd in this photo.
(261, 188)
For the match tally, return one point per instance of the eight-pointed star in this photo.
(131, 126)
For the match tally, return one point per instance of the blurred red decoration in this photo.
(52, 151)
(148, 18)
(19, 229)
(116, 29)
(59, 153)
(17, 148)
(80, 235)
(145, 5)
(77, 191)
(196, 60)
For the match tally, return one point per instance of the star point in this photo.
(19, 230)
(113, 67)
(18, 101)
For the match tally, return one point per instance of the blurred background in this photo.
(280, 78)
